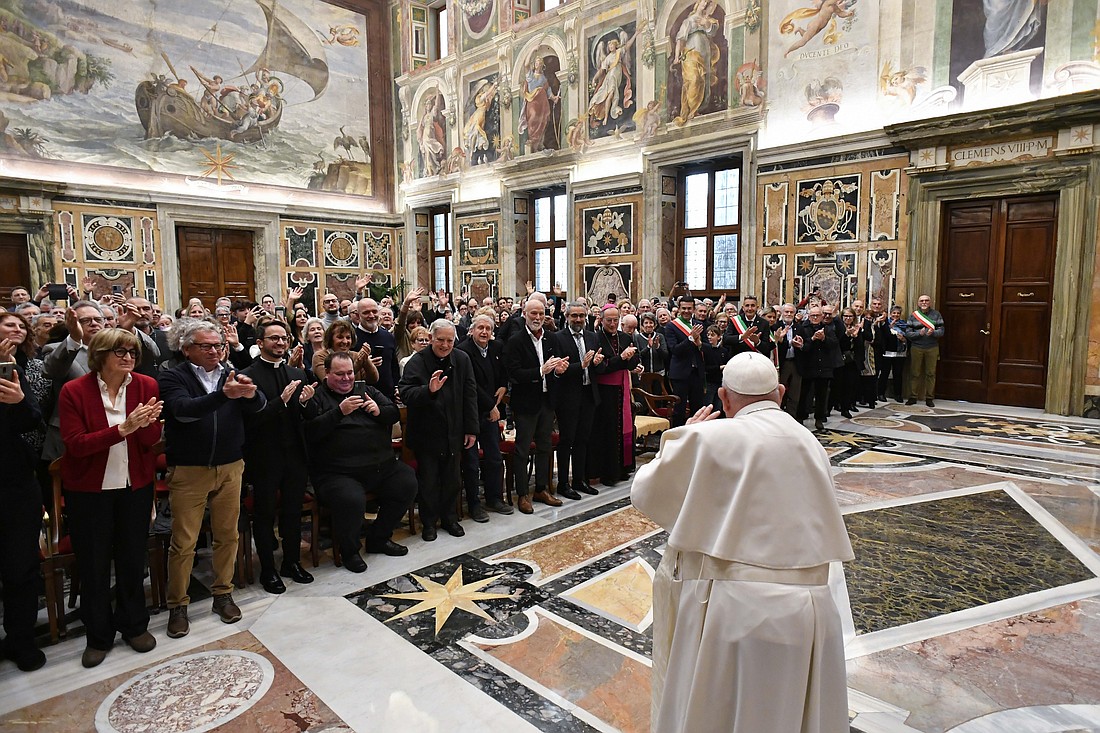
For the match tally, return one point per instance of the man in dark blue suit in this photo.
(685, 369)
(577, 398)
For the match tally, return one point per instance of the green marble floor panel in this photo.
(917, 561)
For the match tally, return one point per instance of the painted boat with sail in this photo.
(165, 107)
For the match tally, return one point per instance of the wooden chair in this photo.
(508, 449)
(653, 418)
(58, 560)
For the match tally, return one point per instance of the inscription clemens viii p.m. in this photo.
(1007, 152)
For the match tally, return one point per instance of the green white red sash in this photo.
(685, 328)
(742, 328)
(924, 321)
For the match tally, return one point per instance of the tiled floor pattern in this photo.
(975, 603)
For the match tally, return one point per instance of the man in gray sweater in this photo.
(924, 331)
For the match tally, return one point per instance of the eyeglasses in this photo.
(209, 347)
(222, 314)
(122, 353)
(90, 320)
(423, 341)
(276, 339)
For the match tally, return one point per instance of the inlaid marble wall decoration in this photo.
(301, 246)
(666, 276)
(608, 230)
(885, 205)
(831, 275)
(480, 284)
(602, 280)
(882, 275)
(522, 230)
(477, 243)
(320, 256)
(773, 287)
(113, 245)
(828, 210)
(775, 214)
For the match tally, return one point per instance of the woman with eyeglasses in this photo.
(846, 378)
(340, 337)
(419, 339)
(109, 424)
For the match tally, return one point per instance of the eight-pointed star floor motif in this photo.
(447, 597)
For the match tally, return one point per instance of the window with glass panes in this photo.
(710, 227)
(439, 31)
(441, 250)
(548, 235)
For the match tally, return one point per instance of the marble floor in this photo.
(974, 596)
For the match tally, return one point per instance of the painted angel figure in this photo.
(697, 56)
(430, 137)
(901, 84)
(474, 135)
(613, 92)
(817, 16)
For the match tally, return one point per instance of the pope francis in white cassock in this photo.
(746, 636)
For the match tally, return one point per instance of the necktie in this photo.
(580, 349)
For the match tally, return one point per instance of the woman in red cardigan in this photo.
(109, 424)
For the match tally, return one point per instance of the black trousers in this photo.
(892, 369)
(692, 394)
(817, 389)
(575, 418)
(392, 484)
(535, 426)
(278, 486)
(106, 527)
(490, 466)
(438, 476)
(19, 562)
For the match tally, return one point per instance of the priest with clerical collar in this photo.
(746, 635)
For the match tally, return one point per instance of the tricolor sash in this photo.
(923, 320)
(742, 328)
(685, 328)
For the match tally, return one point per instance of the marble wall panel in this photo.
(775, 213)
(322, 255)
(112, 244)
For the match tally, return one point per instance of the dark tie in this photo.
(580, 348)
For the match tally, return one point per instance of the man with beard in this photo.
(787, 345)
(686, 368)
(382, 345)
(275, 457)
(439, 389)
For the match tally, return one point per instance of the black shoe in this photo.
(586, 489)
(609, 481)
(846, 414)
(271, 582)
(819, 426)
(353, 562)
(429, 534)
(500, 507)
(28, 658)
(388, 547)
(295, 572)
(911, 401)
(930, 403)
(478, 514)
(568, 493)
(454, 529)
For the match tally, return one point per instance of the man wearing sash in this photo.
(748, 331)
(924, 331)
(612, 457)
(742, 610)
(685, 369)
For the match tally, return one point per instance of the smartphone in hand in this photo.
(7, 371)
(359, 389)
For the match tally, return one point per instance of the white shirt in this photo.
(209, 380)
(537, 341)
(117, 475)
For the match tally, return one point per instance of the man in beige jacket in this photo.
(746, 637)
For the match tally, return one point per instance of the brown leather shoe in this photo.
(226, 609)
(177, 622)
(525, 505)
(546, 498)
(142, 643)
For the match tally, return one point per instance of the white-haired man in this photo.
(742, 615)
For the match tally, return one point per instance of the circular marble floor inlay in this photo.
(188, 694)
(878, 422)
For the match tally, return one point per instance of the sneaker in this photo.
(226, 609)
(178, 625)
(500, 507)
(478, 514)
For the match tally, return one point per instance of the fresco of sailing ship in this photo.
(249, 106)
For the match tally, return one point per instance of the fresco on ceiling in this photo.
(264, 91)
(612, 82)
(540, 108)
(697, 76)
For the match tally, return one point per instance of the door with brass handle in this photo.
(1025, 295)
(966, 295)
(984, 331)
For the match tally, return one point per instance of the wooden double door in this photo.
(216, 262)
(997, 278)
(15, 266)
